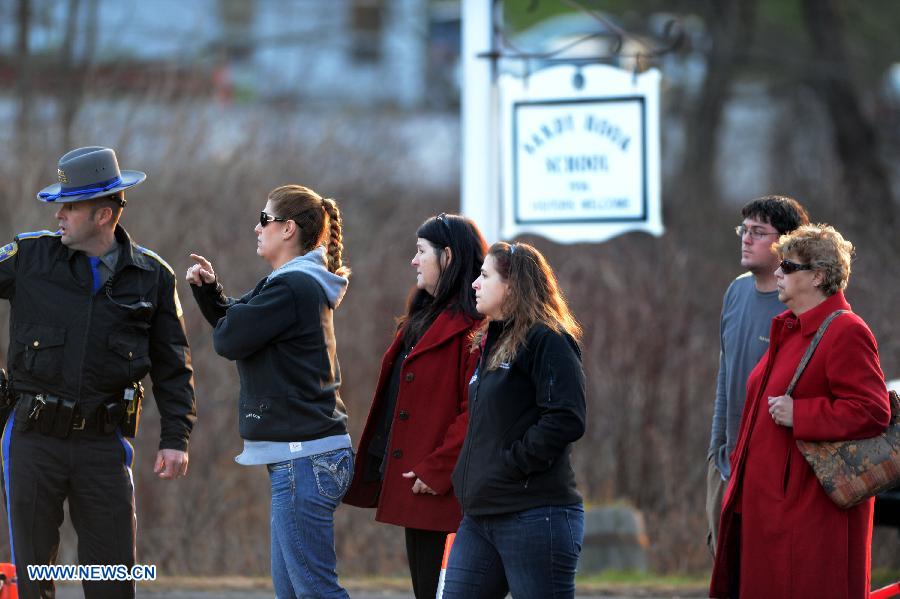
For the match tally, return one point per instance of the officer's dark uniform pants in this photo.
(92, 471)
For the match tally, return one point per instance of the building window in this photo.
(367, 24)
(236, 23)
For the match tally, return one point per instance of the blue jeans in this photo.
(305, 493)
(533, 554)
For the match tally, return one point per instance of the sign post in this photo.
(480, 124)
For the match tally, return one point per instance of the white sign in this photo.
(580, 163)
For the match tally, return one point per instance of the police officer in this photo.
(92, 314)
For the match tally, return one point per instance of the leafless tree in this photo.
(23, 87)
(74, 66)
(856, 141)
(730, 27)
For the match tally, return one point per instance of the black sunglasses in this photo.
(265, 219)
(788, 267)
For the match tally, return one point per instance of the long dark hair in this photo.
(534, 297)
(454, 287)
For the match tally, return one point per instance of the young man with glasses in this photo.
(750, 304)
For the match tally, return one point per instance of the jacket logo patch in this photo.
(252, 415)
(504, 365)
(763, 339)
(8, 251)
(474, 377)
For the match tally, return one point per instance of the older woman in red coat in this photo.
(780, 535)
(418, 418)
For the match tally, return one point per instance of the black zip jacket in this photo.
(282, 336)
(523, 418)
(69, 342)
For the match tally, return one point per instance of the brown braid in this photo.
(335, 239)
(317, 220)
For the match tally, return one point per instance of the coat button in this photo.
(409, 377)
(397, 453)
(36, 343)
(403, 415)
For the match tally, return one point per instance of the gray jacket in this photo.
(744, 337)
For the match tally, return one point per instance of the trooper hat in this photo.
(88, 173)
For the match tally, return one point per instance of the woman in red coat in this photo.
(418, 418)
(780, 535)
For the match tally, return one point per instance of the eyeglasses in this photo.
(265, 219)
(755, 233)
(788, 267)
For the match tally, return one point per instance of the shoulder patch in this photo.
(156, 257)
(8, 251)
(36, 234)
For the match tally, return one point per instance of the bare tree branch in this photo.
(855, 138)
(731, 29)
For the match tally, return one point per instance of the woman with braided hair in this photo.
(290, 414)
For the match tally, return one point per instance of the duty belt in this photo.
(57, 416)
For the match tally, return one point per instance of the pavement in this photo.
(68, 591)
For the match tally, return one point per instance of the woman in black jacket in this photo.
(523, 520)
(291, 416)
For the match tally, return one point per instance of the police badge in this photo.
(8, 251)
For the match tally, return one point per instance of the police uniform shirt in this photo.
(108, 262)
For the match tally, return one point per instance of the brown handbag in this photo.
(851, 471)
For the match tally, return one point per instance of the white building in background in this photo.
(352, 51)
(339, 52)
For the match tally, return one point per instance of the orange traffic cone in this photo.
(8, 587)
(447, 545)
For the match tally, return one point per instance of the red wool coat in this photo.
(429, 425)
(778, 527)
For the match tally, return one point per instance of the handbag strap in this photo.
(812, 347)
